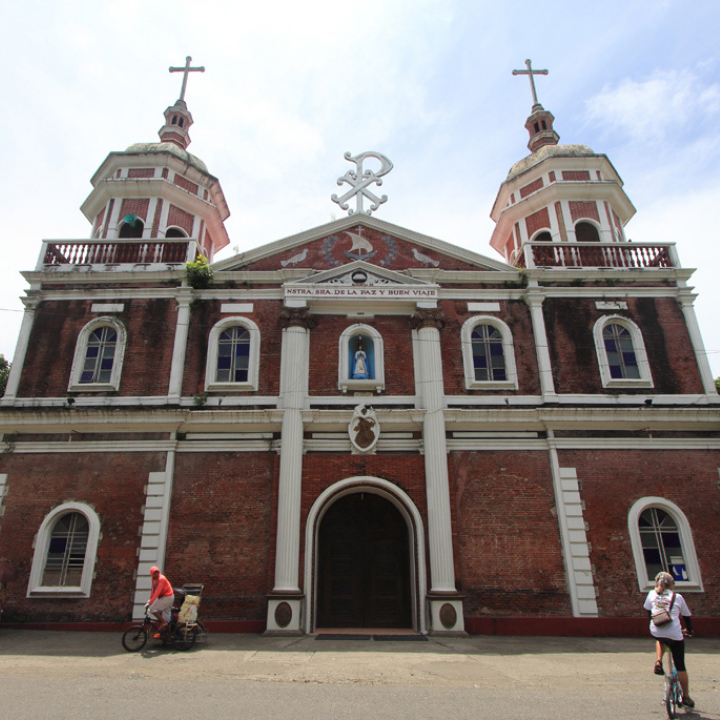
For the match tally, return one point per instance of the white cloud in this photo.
(655, 108)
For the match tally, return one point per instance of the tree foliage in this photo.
(4, 372)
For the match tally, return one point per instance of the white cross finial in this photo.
(185, 70)
(530, 72)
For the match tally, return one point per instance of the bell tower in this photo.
(159, 190)
(557, 194)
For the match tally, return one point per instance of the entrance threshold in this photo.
(378, 634)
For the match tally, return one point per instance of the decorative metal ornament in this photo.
(364, 429)
(359, 180)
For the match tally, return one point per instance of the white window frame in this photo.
(686, 540)
(508, 354)
(81, 349)
(345, 382)
(42, 545)
(645, 380)
(211, 385)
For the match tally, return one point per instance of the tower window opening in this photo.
(586, 232)
(537, 127)
(132, 227)
(174, 232)
(181, 122)
(543, 237)
(544, 125)
(174, 120)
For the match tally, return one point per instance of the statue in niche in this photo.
(360, 366)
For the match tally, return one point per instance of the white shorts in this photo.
(163, 605)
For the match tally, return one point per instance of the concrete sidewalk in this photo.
(569, 667)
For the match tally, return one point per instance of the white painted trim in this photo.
(416, 535)
(508, 354)
(645, 379)
(686, 538)
(345, 382)
(107, 307)
(42, 544)
(79, 358)
(211, 385)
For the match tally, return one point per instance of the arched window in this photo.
(488, 354)
(233, 355)
(65, 550)
(662, 542)
(361, 363)
(175, 232)
(132, 227)
(621, 353)
(544, 236)
(586, 232)
(99, 356)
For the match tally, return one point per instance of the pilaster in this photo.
(285, 603)
(444, 602)
(177, 366)
(13, 382)
(534, 301)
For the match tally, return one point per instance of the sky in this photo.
(289, 87)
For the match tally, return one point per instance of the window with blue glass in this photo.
(233, 355)
(487, 352)
(66, 551)
(661, 544)
(99, 355)
(620, 352)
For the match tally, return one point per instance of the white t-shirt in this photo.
(673, 630)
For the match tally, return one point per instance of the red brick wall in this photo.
(325, 348)
(135, 206)
(181, 219)
(583, 209)
(516, 315)
(531, 188)
(576, 175)
(220, 530)
(611, 481)
(537, 221)
(141, 172)
(508, 540)
(185, 184)
(569, 324)
(150, 326)
(205, 315)
(113, 484)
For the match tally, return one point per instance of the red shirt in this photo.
(160, 588)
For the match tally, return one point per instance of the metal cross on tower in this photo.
(530, 72)
(185, 70)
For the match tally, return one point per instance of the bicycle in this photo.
(673, 697)
(180, 635)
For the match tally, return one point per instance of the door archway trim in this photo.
(402, 501)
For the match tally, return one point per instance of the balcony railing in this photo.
(598, 255)
(120, 254)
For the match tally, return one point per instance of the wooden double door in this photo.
(364, 565)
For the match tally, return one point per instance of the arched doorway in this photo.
(363, 571)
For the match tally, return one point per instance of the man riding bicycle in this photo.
(161, 599)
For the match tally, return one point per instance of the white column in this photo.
(177, 366)
(294, 371)
(534, 301)
(688, 309)
(18, 362)
(432, 392)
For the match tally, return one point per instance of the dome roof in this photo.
(545, 152)
(173, 149)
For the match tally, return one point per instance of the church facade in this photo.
(360, 426)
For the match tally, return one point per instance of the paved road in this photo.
(89, 675)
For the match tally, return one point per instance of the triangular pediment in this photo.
(360, 238)
(359, 273)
